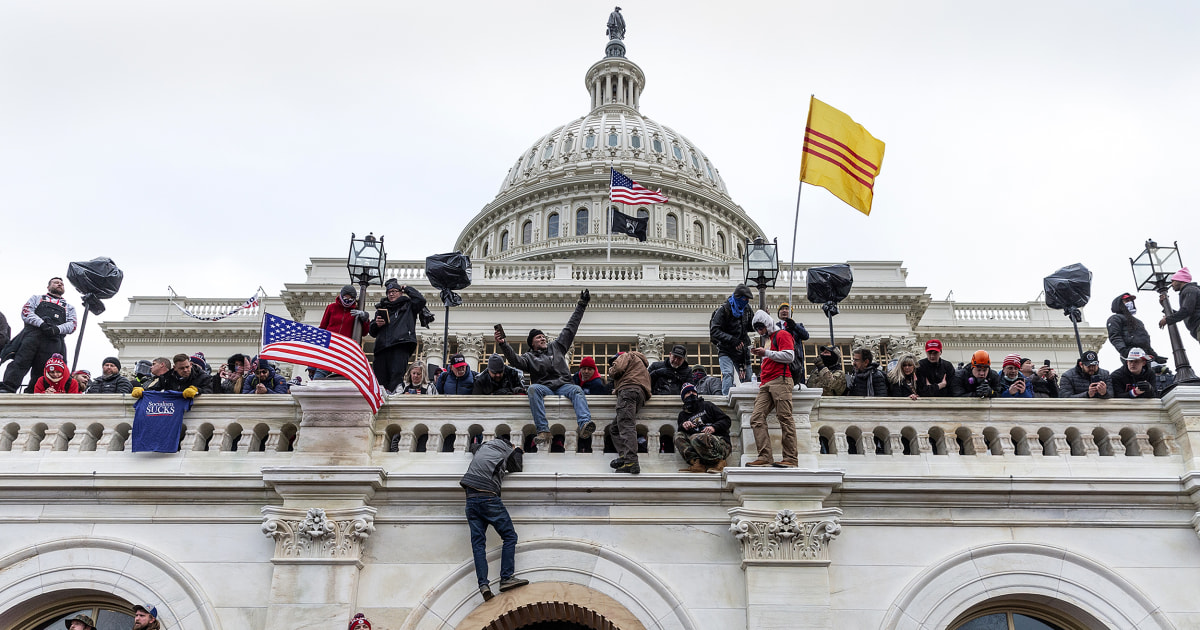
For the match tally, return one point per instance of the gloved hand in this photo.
(137, 392)
(49, 329)
(190, 392)
(359, 315)
(984, 390)
(585, 296)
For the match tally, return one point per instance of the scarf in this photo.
(738, 306)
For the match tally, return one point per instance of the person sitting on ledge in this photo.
(1134, 379)
(265, 380)
(55, 378)
(183, 378)
(703, 436)
(415, 382)
(498, 379)
(977, 379)
(589, 379)
(1086, 379)
(459, 380)
(549, 373)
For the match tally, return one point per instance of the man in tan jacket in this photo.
(631, 384)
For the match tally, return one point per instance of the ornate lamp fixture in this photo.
(1152, 270)
(762, 266)
(366, 263)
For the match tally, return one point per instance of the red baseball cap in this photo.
(933, 344)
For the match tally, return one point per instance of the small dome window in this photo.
(678, 153)
(486, 249)
(504, 241)
(635, 141)
(552, 226)
(590, 141)
(657, 144)
(613, 140)
(527, 233)
(672, 227)
(581, 222)
(721, 242)
(708, 167)
(695, 162)
(549, 152)
(698, 233)
(568, 144)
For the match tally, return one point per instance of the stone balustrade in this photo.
(832, 432)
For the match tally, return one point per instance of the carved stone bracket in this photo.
(318, 536)
(785, 537)
(651, 346)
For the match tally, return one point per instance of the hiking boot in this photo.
(717, 467)
(761, 461)
(543, 438)
(695, 467)
(486, 591)
(617, 463)
(508, 584)
(785, 464)
(629, 467)
(587, 430)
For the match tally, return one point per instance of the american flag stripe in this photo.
(301, 344)
(626, 190)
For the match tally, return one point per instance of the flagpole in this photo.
(608, 256)
(795, 231)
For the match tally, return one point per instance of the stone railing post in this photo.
(741, 400)
(1183, 408)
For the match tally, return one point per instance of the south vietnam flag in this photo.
(840, 156)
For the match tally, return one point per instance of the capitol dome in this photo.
(553, 202)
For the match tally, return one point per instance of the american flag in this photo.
(286, 340)
(626, 190)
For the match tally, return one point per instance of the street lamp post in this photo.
(1152, 270)
(762, 266)
(366, 264)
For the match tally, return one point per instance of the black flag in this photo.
(625, 224)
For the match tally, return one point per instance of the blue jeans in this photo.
(573, 392)
(728, 369)
(481, 512)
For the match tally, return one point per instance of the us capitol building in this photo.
(292, 511)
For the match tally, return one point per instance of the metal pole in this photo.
(762, 296)
(795, 231)
(832, 343)
(1078, 342)
(362, 306)
(446, 335)
(79, 341)
(1183, 371)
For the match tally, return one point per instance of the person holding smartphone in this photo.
(395, 331)
(1086, 379)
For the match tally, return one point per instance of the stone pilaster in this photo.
(785, 535)
(1183, 408)
(651, 346)
(471, 347)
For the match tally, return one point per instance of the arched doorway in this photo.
(551, 606)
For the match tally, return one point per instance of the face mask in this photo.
(346, 300)
(1131, 307)
(829, 360)
(692, 403)
(741, 301)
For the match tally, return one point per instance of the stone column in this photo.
(785, 535)
(325, 517)
(471, 347)
(651, 346)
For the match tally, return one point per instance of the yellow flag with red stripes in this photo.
(840, 156)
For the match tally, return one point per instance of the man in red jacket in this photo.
(774, 392)
(341, 316)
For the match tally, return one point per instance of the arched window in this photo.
(698, 233)
(581, 222)
(552, 226)
(527, 233)
(608, 218)
(672, 227)
(485, 249)
(635, 141)
(612, 139)
(643, 213)
(504, 241)
(720, 242)
(108, 613)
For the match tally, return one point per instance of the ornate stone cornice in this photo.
(785, 537)
(317, 536)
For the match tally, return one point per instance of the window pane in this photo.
(527, 233)
(672, 227)
(504, 242)
(695, 162)
(549, 152)
(636, 141)
(568, 144)
(1023, 622)
(657, 145)
(998, 621)
(581, 223)
(591, 141)
(643, 213)
(612, 139)
(552, 226)
(678, 153)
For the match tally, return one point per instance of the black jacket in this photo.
(1123, 381)
(710, 415)
(115, 384)
(1044, 387)
(510, 383)
(869, 382)
(799, 336)
(1189, 308)
(930, 374)
(401, 326)
(666, 380)
(1126, 331)
(548, 367)
(727, 331)
(965, 384)
(172, 382)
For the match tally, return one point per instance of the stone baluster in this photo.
(433, 443)
(653, 441)
(1061, 445)
(924, 447)
(406, 442)
(979, 444)
(949, 444)
(272, 441)
(1089, 445)
(897, 445)
(571, 441)
(1006, 444)
(1116, 444)
(843, 445)
(461, 439)
(1035, 445)
(191, 441)
(1144, 447)
(26, 441)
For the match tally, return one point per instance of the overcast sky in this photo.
(215, 146)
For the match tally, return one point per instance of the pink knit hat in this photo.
(1183, 275)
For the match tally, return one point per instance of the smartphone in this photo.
(1046, 363)
(500, 329)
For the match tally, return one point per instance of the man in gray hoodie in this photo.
(490, 462)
